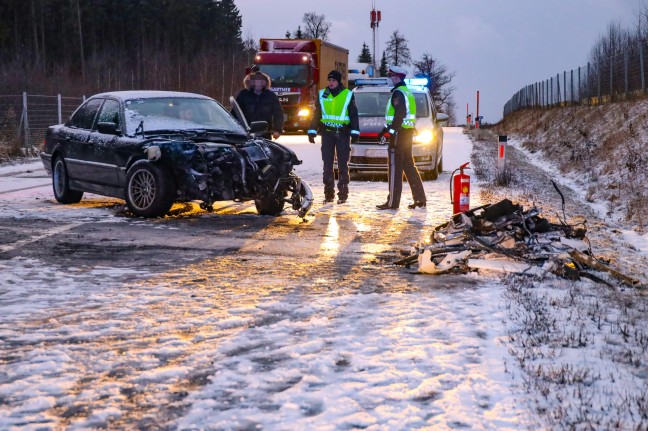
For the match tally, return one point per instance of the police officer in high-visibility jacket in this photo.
(400, 119)
(336, 119)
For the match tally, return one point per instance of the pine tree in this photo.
(383, 65)
(365, 55)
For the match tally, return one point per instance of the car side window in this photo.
(109, 112)
(84, 117)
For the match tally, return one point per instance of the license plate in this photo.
(376, 153)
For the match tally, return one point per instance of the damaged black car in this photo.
(154, 148)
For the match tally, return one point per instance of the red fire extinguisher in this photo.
(460, 190)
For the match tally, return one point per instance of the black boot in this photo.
(386, 206)
(417, 204)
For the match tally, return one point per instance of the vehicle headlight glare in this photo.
(304, 112)
(424, 137)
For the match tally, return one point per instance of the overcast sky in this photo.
(494, 46)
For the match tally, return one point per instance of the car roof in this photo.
(149, 94)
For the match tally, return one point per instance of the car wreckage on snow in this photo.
(154, 148)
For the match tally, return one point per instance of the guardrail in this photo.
(26, 117)
(619, 77)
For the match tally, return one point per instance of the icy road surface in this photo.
(231, 321)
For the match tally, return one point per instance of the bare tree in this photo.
(316, 26)
(397, 51)
(439, 84)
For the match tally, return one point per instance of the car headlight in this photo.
(304, 112)
(424, 137)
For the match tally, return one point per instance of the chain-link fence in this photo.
(620, 77)
(25, 118)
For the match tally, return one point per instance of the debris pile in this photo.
(503, 237)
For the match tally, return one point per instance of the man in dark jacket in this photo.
(336, 119)
(259, 103)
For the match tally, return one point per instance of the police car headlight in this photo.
(304, 112)
(424, 137)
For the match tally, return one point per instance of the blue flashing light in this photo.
(416, 82)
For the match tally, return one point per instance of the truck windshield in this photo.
(286, 75)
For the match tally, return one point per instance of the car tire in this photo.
(271, 205)
(61, 184)
(440, 166)
(432, 174)
(150, 191)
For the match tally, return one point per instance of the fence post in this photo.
(611, 79)
(600, 78)
(579, 86)
(25, 121)
(587, 80)
(558, 88)
(643, 71)
(625, 72)
(571, 86)
(565, 86)
(59, 110)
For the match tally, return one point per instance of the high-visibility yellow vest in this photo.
(334, 109)
(410, 105)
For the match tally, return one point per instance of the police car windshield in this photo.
(373, 104)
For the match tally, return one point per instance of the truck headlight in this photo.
(424, 137)
(303, 112)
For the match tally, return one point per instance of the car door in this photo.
(102, 147)
(75, 140)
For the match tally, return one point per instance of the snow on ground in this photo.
(89, 348)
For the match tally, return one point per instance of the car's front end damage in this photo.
(210, 169)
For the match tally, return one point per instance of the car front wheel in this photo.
(150, 192)
(270, 205)
(60, 183)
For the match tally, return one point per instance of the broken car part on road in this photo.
(504, 237)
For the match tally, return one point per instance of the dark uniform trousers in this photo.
(336, 143)
(401, 161)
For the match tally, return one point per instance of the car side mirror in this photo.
(442, 119)
(107, 128)
(258, 126)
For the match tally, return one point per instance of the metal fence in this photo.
(620, 77)
(26, 117)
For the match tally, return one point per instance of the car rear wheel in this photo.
(150, 190)
(61, 184)
(270, 205)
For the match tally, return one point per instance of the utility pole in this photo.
(375, 20)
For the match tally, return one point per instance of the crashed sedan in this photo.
(154, 148)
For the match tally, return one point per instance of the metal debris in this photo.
(504, 237)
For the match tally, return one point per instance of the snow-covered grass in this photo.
(582, 346)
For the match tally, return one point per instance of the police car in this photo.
(369, 156)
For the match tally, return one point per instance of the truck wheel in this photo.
(270, 205)
(60, 184)
(150, 191)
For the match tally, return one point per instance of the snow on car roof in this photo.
(149, 94)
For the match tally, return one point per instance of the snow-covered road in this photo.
(275, 336)
(286, 325)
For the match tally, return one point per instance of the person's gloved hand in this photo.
(381, 135)
(354, 139)
(311, 138)
(392, 140)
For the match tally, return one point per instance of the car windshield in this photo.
(373, 104)
(286, 75)
(178, 113)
